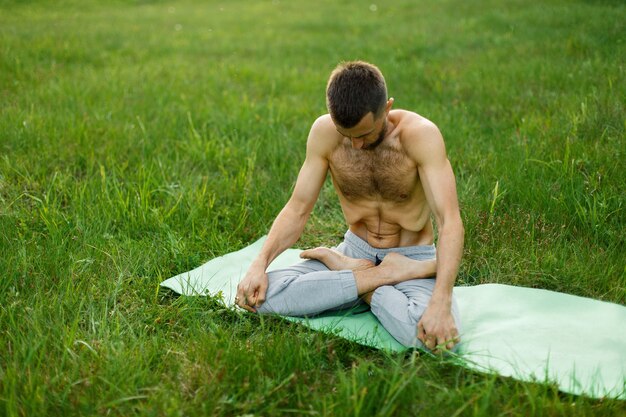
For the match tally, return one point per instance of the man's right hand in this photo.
(252, 288)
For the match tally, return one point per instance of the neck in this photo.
(381, 137)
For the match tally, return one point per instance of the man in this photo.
(391, 173)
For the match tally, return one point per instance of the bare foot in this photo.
(336, 261)
(398, 266)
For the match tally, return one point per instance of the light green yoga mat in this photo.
(528, 334)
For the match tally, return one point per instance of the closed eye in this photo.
(355, 137)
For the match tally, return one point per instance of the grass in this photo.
(139, 139)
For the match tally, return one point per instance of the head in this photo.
(356, 96)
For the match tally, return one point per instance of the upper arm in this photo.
(426, 146)
(313, 171)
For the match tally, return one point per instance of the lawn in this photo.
(138, 139)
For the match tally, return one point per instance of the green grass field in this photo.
(139, 139)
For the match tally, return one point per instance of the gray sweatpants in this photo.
(310, 288)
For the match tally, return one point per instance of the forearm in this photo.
(449, 253)
(285, 231)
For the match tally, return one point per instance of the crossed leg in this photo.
(394, 269)
(330, 280)
(393, 289)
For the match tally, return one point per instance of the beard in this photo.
(379, 139)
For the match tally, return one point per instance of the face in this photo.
(368, 133)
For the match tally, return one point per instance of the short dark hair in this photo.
(354, 89)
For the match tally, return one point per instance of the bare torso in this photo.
(380, 191)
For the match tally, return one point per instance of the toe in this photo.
(311, 253)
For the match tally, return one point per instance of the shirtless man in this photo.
(391, 173)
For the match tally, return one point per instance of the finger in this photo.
(428, 340)
(248, 308)
(433, 344)
(260, 296)
(441, 342)
(239, 296)
(248, 305)
(430, 343)
(247, 296)
(421, 334)
(252, 298)
(449, 342)
(244, 302)
(456, 339)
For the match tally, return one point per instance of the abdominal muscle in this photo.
(384, 225)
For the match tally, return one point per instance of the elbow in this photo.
(456, 228)
(452, 225)
(299, 209)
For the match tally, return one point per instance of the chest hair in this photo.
(383, 173)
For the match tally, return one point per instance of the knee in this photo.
(383, 289)
(280, 303)
(406, 335)
(400, 314)
(391, 309)
(268, 307)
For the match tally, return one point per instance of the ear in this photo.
(389, 105)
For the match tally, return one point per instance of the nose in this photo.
(357, 143)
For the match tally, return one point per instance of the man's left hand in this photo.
(436, 329)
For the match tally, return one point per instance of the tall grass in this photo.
(139, 139)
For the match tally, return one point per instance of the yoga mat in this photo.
(525, 333)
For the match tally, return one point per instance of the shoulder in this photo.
(415, 128)
(420, 137)
(323, 136)
(324, 125)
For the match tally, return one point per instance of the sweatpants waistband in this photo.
(420, 251)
